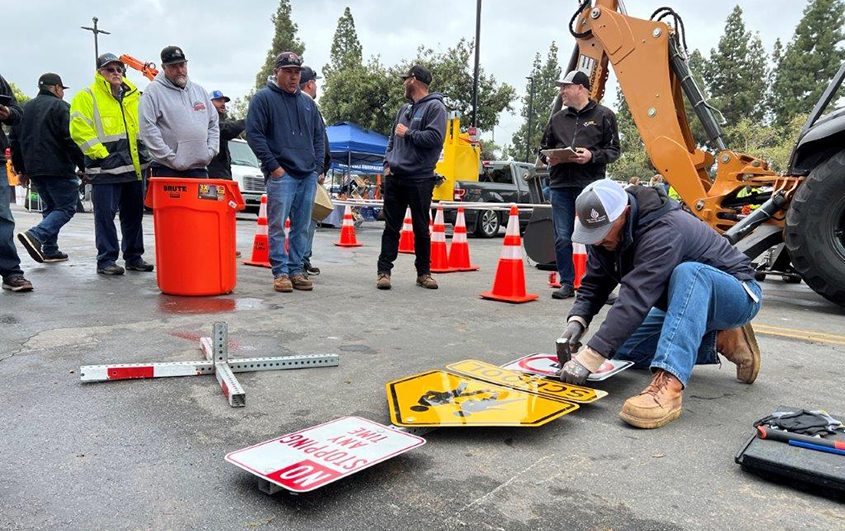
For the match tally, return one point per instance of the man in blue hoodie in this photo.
(412, 153)
(284, 129)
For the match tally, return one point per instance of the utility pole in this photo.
(530, 119)
(96, 31)
(475, 73)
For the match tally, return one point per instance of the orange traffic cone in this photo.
(287, 235)
(439, 260)
(459, 249)
(261, 243)
(553, 281)
(509, 284)
(579, 260)
(347, 230)
(406, 235)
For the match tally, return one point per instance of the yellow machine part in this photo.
(459, 160)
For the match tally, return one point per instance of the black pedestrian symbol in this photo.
(439, 398)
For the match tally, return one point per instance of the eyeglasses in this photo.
(113, 69)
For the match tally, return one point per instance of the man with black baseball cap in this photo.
(685, 295)
(590, 130)
(412, 153)
(44, 152)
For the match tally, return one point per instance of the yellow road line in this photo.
(803, 335)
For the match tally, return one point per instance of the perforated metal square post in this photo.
(217, 362)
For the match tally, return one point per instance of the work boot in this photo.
(310, 269)
(383, 281)
(58, 256)
(17, 283)
(565, 292)
(32, 246)
(658, 404)
(282, 284)
(301, 282)
(426, 281)
(739, 346)
(140, 265)
(111, 269)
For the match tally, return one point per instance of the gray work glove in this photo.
(574, 373)
(569, 341)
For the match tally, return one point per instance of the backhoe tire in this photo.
(815, 229)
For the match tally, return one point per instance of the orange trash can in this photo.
(195, 233)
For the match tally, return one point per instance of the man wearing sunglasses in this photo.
(104, 124)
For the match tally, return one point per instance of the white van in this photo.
(246, 171)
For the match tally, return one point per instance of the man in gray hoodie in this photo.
(179, 124)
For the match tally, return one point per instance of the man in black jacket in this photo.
(220, 166)
(590, 130)
(10, 263)
(685, 295)
(44, 153)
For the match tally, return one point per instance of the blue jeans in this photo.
(702, 301)
(10, 263)
(60, 196)
(312, 229)
(294, 198)
(108, 200)
(563, 218)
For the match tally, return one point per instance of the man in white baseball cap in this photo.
(685, 295)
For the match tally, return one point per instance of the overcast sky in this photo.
(226, 41)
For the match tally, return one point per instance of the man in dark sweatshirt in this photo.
(685, 295)
(412, 153)
(220, 166)
(284, 129)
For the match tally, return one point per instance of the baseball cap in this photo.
(172, 55)
(288, 60)
(107, 58)
(575, 77)
(218, 95)
(307, 75)
(50, 79)
(596, 208)
(420, 73)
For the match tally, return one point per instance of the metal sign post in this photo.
(217, 362)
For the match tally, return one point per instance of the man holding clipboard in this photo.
(579, 141)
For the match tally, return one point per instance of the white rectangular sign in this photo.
(548, 365)
(314, 457)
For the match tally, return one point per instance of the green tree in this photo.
(773, 143)
(545, 91)
(19, 94)
(810, 59)
(736, 72)
(284, 40)
(367, 95)
(346, 49)
(633, 160)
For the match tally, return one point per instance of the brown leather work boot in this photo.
(301, 282)
(658, 404)
(739, 346)
(282, 283)
(383, 281)
(426, 281)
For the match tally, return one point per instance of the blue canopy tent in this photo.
(355, 149)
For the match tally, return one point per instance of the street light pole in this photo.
(96, 31)
(530, 119)
(475, 73)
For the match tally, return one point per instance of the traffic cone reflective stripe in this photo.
(439, 258)
(579, 260)
(261, 243)
(459, 249)
(406, 235)
(347, 230)
(509, 284)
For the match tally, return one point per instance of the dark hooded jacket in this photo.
(15, 115)
(415, 155)
(658, 236)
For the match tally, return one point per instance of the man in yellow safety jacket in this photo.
(104, 123)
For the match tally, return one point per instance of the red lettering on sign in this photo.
(303, 474)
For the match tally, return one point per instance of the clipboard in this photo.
(568, 154)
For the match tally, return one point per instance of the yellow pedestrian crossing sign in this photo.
(519, 380)
(441, 398)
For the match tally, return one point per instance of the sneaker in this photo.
(301, 282)
(32, 246)
(658, 404)
(565, 292)
(739, 346)
(426, 281)
(110, 269)
(17, 283)
(383, 281)
(309, 269)
(140, 265)
(57, 257)
(282, 284)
